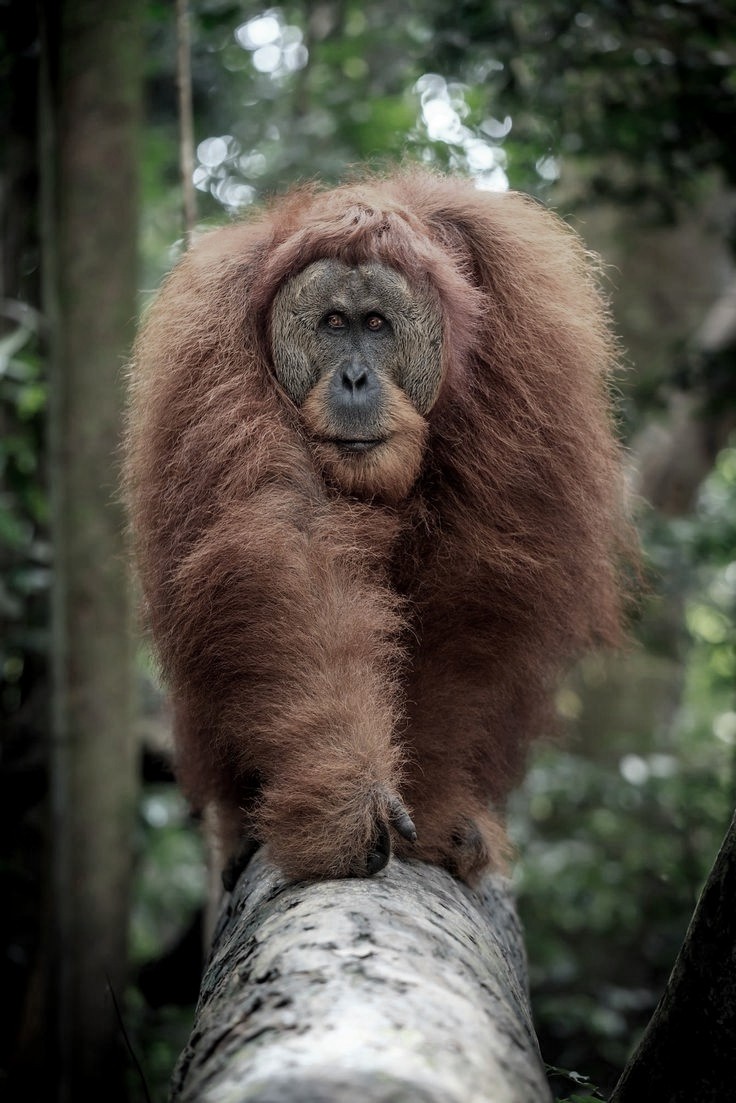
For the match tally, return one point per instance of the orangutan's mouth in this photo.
(363, 445)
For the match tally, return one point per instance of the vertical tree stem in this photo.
(186, 118)
(91, 110)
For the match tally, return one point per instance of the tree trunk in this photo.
(405, 987)
(688, 1052)
(90, 157)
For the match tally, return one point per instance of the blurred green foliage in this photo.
(640, 93)
(171, 876)
(636, 102)
(24, 547)
(169, 899)
(615, 844)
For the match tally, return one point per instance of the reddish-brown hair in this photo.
(322, 648)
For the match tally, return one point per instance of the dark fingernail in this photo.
(378, 857)
(405, 826)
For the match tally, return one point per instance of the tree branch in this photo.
(408, 986)
(687, 1052)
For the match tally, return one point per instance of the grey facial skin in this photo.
(359, 328)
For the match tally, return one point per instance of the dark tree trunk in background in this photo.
(19, 180)
(688, 1052)
(23, 616)
(408, 986)
(90, 106)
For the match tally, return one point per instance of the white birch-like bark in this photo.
(407, 987)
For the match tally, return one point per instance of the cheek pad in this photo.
(419, 355)
(295, 353)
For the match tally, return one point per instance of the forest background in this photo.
(620, 114)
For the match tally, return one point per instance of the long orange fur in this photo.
(323, 647)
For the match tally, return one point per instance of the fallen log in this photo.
(407, 987)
